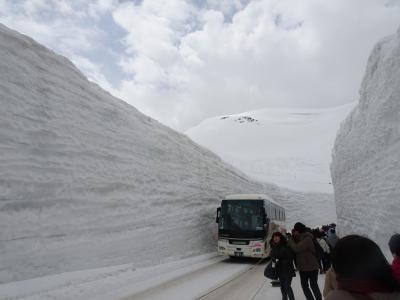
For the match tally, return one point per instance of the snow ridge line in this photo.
(232, 279)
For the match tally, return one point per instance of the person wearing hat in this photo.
(306, 261)
(394, 245)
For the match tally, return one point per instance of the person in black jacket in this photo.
(282, 257)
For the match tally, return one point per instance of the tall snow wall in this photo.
(366, 156)
(88, 181)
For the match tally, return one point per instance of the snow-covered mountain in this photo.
(366, 160)
(289, 147)
(88, 181)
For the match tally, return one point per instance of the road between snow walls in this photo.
(99, 200)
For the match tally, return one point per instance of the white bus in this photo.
(246, 223)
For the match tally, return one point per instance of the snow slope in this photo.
(289, 147)
(87, 181)
(366, 157)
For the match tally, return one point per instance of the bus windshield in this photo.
(241, 215)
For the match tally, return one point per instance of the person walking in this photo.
(282, 256)
(306, 261)
(394, 246)
(362, 271)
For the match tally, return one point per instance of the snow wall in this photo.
(87, 181)
(366, 156)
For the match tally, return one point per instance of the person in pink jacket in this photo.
(394, 245)
(362, 271)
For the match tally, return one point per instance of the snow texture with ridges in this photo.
(366, 156)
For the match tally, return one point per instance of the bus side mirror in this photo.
(218, 213)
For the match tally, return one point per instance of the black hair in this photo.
(300, 227)
(394, 244)
(357, 257)
(282, 238)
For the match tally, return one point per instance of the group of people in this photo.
(355, 267)
(327, 239)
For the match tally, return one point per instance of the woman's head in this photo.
(277, 238)
(359, 258)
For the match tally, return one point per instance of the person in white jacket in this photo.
(326, 255)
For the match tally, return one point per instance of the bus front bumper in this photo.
(254, 249)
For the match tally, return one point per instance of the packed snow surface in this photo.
(87, 181)
(366, 157)
(289, 147)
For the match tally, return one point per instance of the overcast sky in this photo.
(181, 61)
